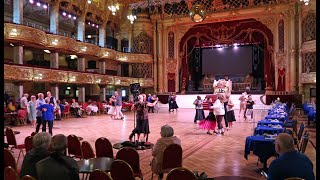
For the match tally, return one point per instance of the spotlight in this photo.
(45, 6)
(64, 13)
(38, 4)
(69, 16)
(92, 25)
(89, 23)
(31, 1)
(74, 17)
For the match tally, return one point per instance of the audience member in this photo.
(11, 107)
(291, 163)
(39, 151)
(57, 165)
(75, 108)
(166, 139)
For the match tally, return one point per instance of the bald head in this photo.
(284, 143)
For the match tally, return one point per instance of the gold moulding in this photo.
(20, 73)
(32, 36)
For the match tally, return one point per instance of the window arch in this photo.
(309, 27)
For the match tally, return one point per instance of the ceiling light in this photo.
(64, 13)
(74, 17)
(69, 16)
(89, 23)
(113, 9)
(11, 44)
(73, 56)
(89, 36)
(45, 6)
(97, 26)
(38, 4)
(92, 25)
(47, 51)
(197, 13)
(89, 1)
(131, 18)
(31, 1)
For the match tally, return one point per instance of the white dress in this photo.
(112, 111)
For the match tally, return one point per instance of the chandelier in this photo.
(113, 8)
(197, 13)
(131, 18)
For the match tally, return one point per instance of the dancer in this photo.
(249, 108)
(32, 110)
(142, 126)
(210, 122)
(47, 115)
(230, 113)
(243, 103)
(118, 104)
(225, 103)
(218, 110)
(172, 103)
(40, 102)
(199, 110)
(112, 111)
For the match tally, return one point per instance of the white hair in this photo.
(41, 140)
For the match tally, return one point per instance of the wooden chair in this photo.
(181, 173)
(22, 116)
(299, 135)
(121, 170)
(103, 148)
(12, 142)
(10, 174)
(33, 133)
(8, 159)
(28, 143)
(74, 147)
(28, 177)
(172, 158)
(99, 175)
(131, 156)
(87, 151)
(66, 111)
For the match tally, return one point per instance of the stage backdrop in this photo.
(235, 60)
(230, 32)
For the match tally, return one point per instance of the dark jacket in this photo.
(30, 160)
(57, 167)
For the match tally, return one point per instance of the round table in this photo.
(89, 165)
(146, 146)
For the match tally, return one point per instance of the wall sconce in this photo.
(106, 54)
(37, 77)
(117, 81)
(72, 79)
(98, 81)
(84, 48)
(55, 42)
(13, 32)
(125, 58)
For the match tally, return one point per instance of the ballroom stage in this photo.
(215, 155)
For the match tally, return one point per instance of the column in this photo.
(81, 93)
(155, 65)
(18, 11)
(18, 54)
(119, 73)
(130, 38)
(102, 92)
(54, 88)
(165, 55)
(119, 43)
(102, 67)
(102, 35)
(300, 55)
(54, 19)
(20, 89)
(81, 64)
(54, 60)
(160, 59)
(130, 70)
(81, 28)
(292, 61)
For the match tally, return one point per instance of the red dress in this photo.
(209, 123)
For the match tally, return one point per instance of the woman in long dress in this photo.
(243, 103)
(172, 103)
(112, 111)
(142, 120)
(209, 123)
(32, 110)
(199, 110)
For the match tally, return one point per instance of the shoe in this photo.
(122, 118)
(131, 136)
(209, 133)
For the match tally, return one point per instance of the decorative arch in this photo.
(309, 27)
(239, 31)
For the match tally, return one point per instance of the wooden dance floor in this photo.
(215, 155)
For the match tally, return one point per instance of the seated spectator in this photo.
(59, 109)
(11, 107)
(39, 151)
(166, 139)
(290, 163)
(75, 108)
(57, 165)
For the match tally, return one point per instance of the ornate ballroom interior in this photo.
(88, 49)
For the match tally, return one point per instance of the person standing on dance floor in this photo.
(32, 110)
(243, 103)
(112, 111)
(229, 113)
(210, 122)
(199, 110)
(249, 108)
(40, 101)
(218, 110)
(47, 115)
(225, 103)
(142, 121)
(172, 103)
(118, 104)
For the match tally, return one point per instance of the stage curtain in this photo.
(239, 31)
(281, 79)
(171, 82)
